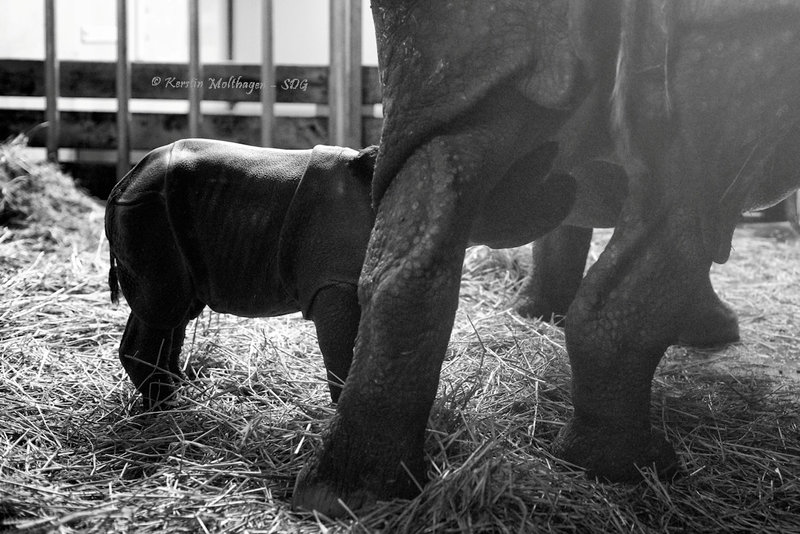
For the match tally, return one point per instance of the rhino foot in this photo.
(341, 496)
(616, 454)
(349, 474)
(312, 493)
(170, 401)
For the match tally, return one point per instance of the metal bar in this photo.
(51, 80)
(229, 9)
(336, 75)
(123, 92)
(195, 70)
(344, 82)
(267, 75)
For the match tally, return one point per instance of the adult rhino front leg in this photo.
(633, 304)
(409, 295)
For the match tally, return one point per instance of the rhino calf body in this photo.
(249, 231)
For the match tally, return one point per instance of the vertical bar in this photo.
(123, 91)
(267, 75)
(229, 9)
(195, 70)
(344, 81)
(51, 80)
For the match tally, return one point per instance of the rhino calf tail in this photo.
(113, 281)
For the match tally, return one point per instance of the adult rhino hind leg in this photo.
(631, 306)
(558, 262)
(373, 449)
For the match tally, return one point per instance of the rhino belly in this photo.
(244, 289)
(233, 266)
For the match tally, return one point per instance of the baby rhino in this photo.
(254, 232)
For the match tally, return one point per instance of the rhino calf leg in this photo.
(150, 357)
(335, 312)
(559, 259)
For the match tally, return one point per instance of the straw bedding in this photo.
(77, 454)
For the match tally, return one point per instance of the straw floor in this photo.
(78, 455)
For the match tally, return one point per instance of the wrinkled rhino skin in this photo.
(697, 99)
(558, 261)
(259, 232)
(249, 231)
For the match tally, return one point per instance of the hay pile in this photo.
(79, 456)
(35, 197)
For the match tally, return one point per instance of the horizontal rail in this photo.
(98, 129)
(230, 82)
(147, 105)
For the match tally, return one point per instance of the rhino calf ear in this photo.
(363, 165)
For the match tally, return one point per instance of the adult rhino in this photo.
(704, 102)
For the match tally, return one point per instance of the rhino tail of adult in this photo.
(113, 279)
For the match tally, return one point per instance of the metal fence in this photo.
(344, 91)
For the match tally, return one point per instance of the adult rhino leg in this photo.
(631, 306)
(409, 294)
(335, 312)
(558, 262)
(559, 259)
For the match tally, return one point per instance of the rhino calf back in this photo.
(200, 221)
